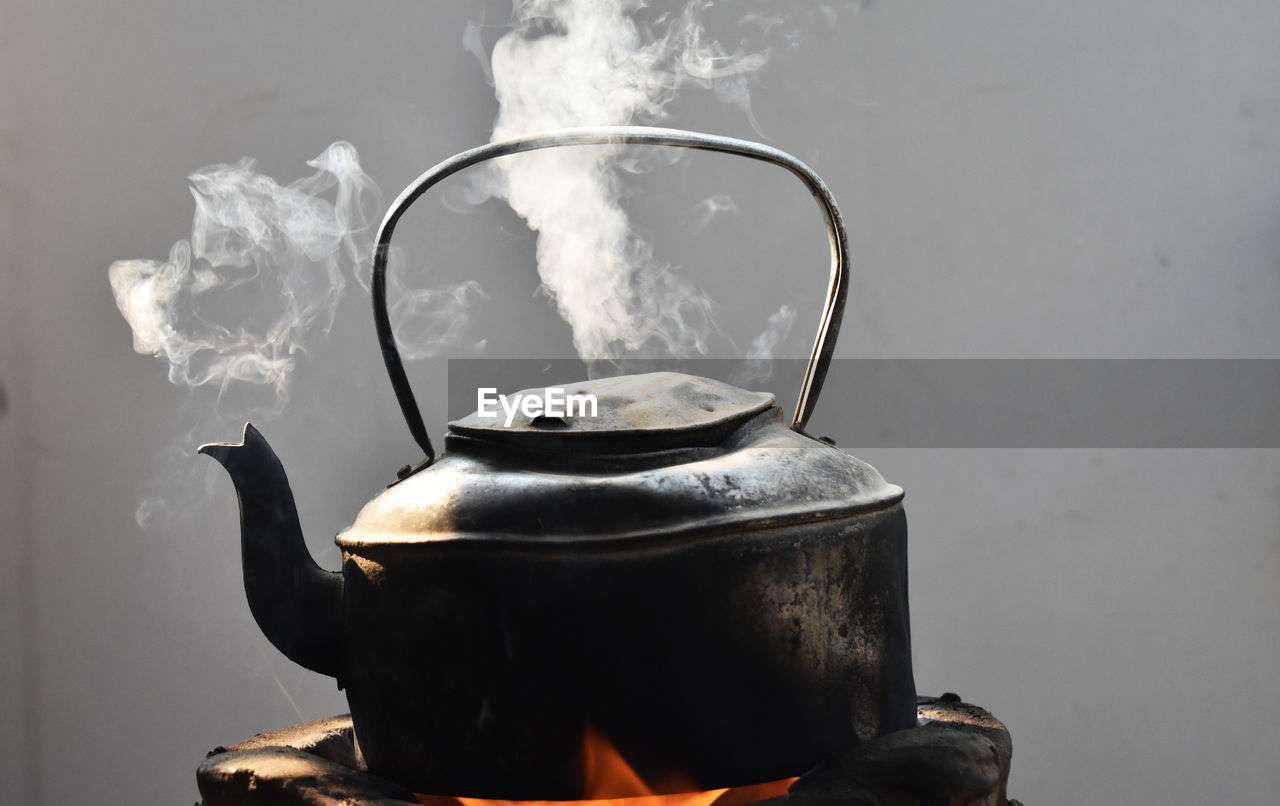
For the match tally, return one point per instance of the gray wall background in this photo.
(1097, 179)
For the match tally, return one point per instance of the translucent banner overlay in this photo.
(969, 403)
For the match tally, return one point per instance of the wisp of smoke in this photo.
(708, 209)
(260, 276)
(431, 321)
(759, 363)
(573, 63)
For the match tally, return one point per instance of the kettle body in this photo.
(730, 612)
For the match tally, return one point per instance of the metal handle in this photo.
(828, 328)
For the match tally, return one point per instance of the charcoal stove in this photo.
(958, 755)
(684, 571)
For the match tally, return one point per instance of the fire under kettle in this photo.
(721, 595)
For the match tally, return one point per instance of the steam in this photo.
(472, 43)
(259, 278)
(759, 364)
(259, 281)
(431, 321)
(573, 63)
(708, 209)
(780, 322)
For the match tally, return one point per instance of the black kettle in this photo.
(721, 595)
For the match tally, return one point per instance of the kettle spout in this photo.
(296, 603)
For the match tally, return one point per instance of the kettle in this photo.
(719, 594)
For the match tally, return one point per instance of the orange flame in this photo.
(610, 778)
(610, 781)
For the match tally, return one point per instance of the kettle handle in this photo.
(837, 289)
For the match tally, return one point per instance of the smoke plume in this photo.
(259, 278)
(759, 363)
(570, 63)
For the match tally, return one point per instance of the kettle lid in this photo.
(623, 414)
(668, 454)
